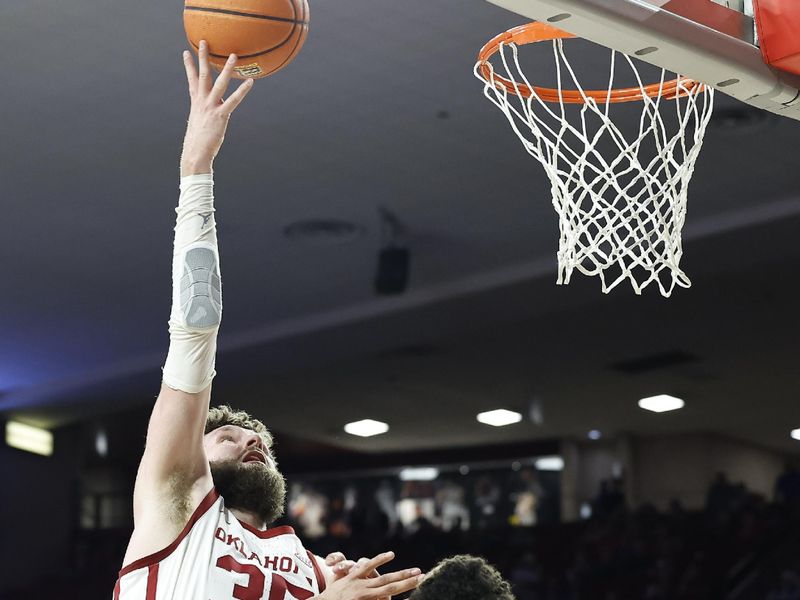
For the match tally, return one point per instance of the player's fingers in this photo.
(333, 558)
(221, 84)
(191, 72)
(383, 580)
(343, 567)
(363, 567)
(361, 562)
(235, 99)
(399, 586)
(205, 68)
(371, 574)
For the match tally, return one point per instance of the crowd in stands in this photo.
(739, 547)
(616, 554)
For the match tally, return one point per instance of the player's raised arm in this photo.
(174, 467)
(210, 112)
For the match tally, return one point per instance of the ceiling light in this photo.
(419, 474)
(499, 417)
(662, 403)
(594, 434)
(549, 463)
(366, 428)
(796, 434)
(30, 439)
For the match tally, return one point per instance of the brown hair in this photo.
(463, 577)
(225, 415)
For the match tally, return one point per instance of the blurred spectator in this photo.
(451, 505)
(387, 499)
(526, 493)
(720, 495)
(789, 587)
(307, 508)
(787, 487)
(610, 499)
(526, 578)
(487, 498)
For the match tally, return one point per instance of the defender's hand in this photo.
(359, 584)
(339, 564)
(208, 118)
(371, 574)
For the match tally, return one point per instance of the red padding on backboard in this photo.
(778, 24)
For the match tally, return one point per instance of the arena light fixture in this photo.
(661, 403)
(419, 474)
(796, 434)
(549, 463)
(366, 428)
(594, 434)
(28, 438)
(499, 417)
(101, 443)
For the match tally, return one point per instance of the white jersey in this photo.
(217, 557)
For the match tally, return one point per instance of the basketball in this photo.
(265, 35)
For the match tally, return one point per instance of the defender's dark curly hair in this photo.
(225, 415)
(463, 577)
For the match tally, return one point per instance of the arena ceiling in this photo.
(380, 110)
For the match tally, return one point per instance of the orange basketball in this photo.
(265, 34)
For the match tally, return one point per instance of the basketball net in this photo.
(620, 196)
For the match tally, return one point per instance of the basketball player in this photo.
(208, 484)
(463, 577)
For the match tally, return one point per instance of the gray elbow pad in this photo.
(201, 288)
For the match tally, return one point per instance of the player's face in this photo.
(244, 471)
(230, 442)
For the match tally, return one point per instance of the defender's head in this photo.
(463, 577)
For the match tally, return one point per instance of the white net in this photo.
(620, 196)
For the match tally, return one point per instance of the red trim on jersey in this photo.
(152, 582)
(116, 590)
(265, 534)
(157, 557)
(317, 571)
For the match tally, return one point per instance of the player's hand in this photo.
(372, 574)
(358, 585)
(341, 566)
(210, 112)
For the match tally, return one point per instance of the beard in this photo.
(250, 487)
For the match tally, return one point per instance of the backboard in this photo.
(712, 41)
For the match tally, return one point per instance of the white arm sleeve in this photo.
(196, 289)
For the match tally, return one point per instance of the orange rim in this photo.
(542, 32)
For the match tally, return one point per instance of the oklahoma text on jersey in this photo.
(216, 557)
